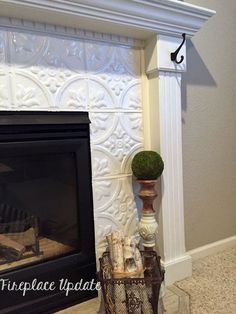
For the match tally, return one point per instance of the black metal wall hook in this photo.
(173, 55)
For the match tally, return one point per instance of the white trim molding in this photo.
(164, 79)
(212, 248)
(177, 269)
(16, 24)
(134, 18)
(172, 181)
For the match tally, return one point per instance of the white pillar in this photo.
(163, 125)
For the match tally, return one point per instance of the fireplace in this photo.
(111, 59)
(46, 211)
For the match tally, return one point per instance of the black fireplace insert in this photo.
(47, 253)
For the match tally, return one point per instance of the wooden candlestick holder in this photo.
(148, 224)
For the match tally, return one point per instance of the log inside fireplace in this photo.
(18, 233)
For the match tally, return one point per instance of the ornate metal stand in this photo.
(148, 224)
(131, 295)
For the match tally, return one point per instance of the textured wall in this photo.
(53, 73)
(209, 128)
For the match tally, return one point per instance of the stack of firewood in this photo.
(125, 256)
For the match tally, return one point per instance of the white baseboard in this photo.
(181, 267)
(177, 269)
(212, 248)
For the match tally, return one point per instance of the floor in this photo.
(174, 301)
(211, 289)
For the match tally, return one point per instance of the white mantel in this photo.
(154, 27)
(130, 18)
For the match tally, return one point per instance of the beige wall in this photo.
(209, 128)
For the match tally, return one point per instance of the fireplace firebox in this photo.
(46, 211)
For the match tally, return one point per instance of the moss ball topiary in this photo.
(147, 165)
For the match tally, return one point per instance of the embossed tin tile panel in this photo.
(39, 72)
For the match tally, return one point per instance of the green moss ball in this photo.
(147, 165)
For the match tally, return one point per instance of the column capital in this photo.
(157, 54)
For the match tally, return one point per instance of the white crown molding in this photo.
(16, 24)
(134, 18)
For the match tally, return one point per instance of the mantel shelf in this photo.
(134, 18)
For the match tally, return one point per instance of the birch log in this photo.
(117, 238)
(129, 261)
(110, 248)
(109, 305)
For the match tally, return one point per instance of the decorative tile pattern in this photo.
(3, 36)
(39, 72)
(4, 91)
(25, 49)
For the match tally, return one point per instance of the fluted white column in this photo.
(165, 135)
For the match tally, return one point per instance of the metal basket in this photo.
(132, 295)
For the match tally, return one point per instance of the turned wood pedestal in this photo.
(148, 224)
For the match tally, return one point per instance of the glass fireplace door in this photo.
(46, 208)
(38, 204)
